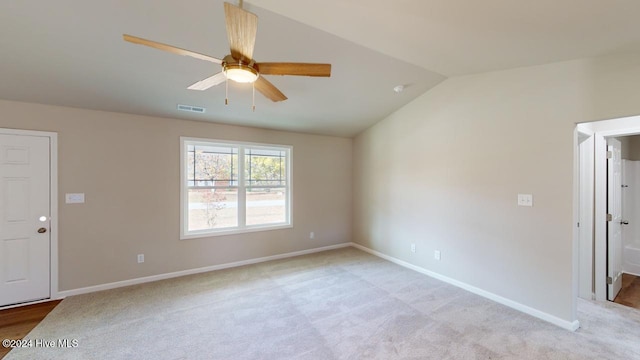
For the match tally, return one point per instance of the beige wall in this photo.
(128, 167)
(625, 146)
(633, 147)
(444, 172)
(630, 146)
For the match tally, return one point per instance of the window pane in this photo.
(213, 208)
(190, 165)
(212, 166)
(213, 184)
(265, 167)
(266, 206)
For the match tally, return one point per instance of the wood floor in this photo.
(17, 322)
(630, 293)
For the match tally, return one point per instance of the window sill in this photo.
(203, 234)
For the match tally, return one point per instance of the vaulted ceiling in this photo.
(71, 52)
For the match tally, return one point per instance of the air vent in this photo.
(193, 109)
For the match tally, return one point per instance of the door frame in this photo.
(53, 203)
(601, 130)
(585, 198)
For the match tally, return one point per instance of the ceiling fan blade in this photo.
(269, 90)
(209, 82)
(169, 48)
(299, 69)
(241, 30)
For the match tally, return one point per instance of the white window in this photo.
(230, 187)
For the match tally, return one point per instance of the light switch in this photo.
(77, 198)
(525, 200)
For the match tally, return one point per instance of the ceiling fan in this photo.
(240, 66)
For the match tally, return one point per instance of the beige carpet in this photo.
(342, 304)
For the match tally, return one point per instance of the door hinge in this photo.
(609, 217)
(578, 224)
(609, 154)
(609, 280)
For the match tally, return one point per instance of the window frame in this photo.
(242, 187)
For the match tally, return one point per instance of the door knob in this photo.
(42, 230)
(624, 222)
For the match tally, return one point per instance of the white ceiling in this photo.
(457, 37)
(71, 52)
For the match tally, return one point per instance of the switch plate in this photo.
(75, 198)
(140, 258)
(525, 200)
(312, 235)
(436, 255)
(413, 248)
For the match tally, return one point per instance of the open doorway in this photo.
(607, 207)
(626, 287)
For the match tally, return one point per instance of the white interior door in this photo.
(614, 223)
(24, 218)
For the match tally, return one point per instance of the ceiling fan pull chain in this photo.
(226, 92)
(253, 100)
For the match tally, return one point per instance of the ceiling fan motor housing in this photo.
(239, 72)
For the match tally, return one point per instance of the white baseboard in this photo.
(146, 279)
(569, 325)
(572, 326)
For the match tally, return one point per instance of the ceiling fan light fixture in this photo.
(240, 73)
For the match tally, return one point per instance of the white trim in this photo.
(582, 275)
(575, 269)
(54, 214)
(208, 141)
(53, 210)
(569, 325)
(234, 231)
(289, 198)
(614, 127)
(583, 206)
(584, 131)
(147, 279)
(600, 211)
(183, 187)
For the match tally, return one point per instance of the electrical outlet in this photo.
(436, 255)
(525, 200)
(413, 247)
(140, 258)
(76, 198)
(312, 235)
